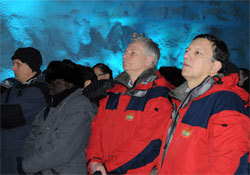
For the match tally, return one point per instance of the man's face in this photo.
(22, 71)
(56, 86)
(198, 64)
(134, 59)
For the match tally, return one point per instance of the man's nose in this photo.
(186, 55)
(125, 55)
(13, 67)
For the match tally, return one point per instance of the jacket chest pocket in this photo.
(49, 131)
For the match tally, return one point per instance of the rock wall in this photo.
(88, 32)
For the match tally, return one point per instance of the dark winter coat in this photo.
(56, 144)
(19, 106)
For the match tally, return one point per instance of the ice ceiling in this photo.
(89, 32)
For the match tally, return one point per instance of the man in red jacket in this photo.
(126, 134)
(209, 128)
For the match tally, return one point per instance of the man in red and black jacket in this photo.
(209, 128)
(126, 134)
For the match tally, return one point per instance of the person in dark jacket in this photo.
(20, 104)
(60, 132)
(97, 90)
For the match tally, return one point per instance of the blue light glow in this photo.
(89, 32)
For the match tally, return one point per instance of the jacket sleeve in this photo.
(144, 146)
(228, 143)
(29, 143)
(23, 108)
(94, 149)
(70, 137)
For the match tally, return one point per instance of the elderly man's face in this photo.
(198, 62)
(134, 59)
(22, 71)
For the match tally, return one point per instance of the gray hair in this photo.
(150, 48)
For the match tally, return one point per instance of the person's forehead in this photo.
(136, 45)
(96, 69)
(201, 43)
(17, 61)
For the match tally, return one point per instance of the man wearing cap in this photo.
(20, 104)
(61, 131)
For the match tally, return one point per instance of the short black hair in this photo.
(105, 69)
(220, 51)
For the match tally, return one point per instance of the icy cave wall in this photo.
(88, 32)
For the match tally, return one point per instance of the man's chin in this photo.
(18, 79)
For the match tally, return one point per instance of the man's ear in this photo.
(149, 61)
(215, 68)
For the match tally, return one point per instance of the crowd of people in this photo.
(75, 119)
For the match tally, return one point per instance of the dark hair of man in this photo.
(105, 69)
(220, 50)
(150, 48)
(245, 72)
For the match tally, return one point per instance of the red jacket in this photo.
(212, 133)
(126, 133)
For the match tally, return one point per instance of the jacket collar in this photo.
(182, 94)
(146, 77)
(56, 99)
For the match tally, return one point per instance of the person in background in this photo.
(102, 71)
(173, 75)
(20, 103)
(244, 79)
(97, 90)
(208, 132)
(60, 132)
(87, 87)
(126, 133)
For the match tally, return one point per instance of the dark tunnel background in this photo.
(89, 32)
